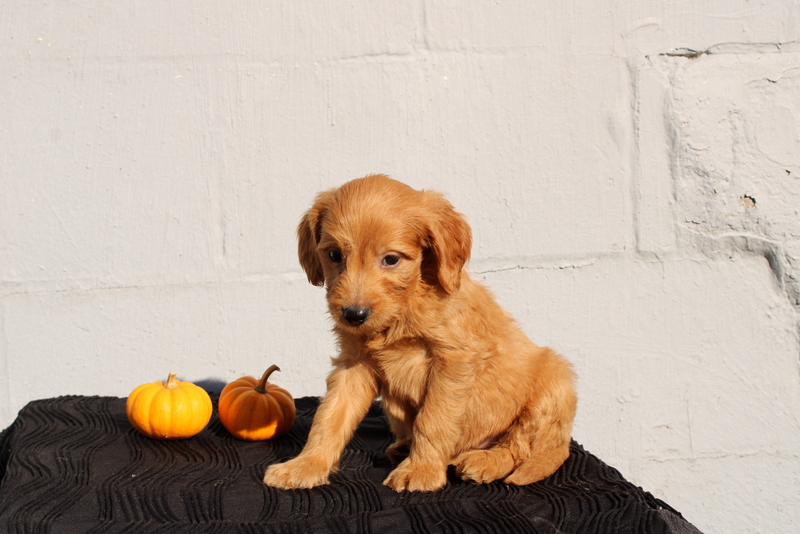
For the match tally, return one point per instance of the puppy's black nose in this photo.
(355, 315)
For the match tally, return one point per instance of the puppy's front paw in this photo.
(297, 473)
(410, 476)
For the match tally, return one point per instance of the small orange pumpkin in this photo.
(255, 410)
(169, 410)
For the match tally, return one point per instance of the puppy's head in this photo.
(375, 244)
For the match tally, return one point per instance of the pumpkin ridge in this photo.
(244, 406)
(283, 417)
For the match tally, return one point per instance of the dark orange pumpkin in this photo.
(255, 410)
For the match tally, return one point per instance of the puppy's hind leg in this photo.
(523, 456)
(537, 442)
(545, 430)
(485, 465)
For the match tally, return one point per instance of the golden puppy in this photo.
(460, 383)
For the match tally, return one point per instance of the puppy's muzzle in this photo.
(356, 315)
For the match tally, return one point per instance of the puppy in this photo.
(459, 382)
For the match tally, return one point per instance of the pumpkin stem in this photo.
(171, 382)
(261, 387)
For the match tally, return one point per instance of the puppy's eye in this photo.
(391, 260)
(335, 256)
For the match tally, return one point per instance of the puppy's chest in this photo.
(403, 372)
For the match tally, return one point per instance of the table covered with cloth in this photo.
(75, 464)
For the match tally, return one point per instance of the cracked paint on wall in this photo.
(738, 151)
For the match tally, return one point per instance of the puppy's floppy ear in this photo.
(308, 236)
(449, 238)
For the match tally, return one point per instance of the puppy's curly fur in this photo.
(460, 383)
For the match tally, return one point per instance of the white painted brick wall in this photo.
(634, 204)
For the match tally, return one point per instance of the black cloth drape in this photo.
(75, 465)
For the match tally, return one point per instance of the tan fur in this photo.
(460, 383)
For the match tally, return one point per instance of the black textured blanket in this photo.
(74, 464)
